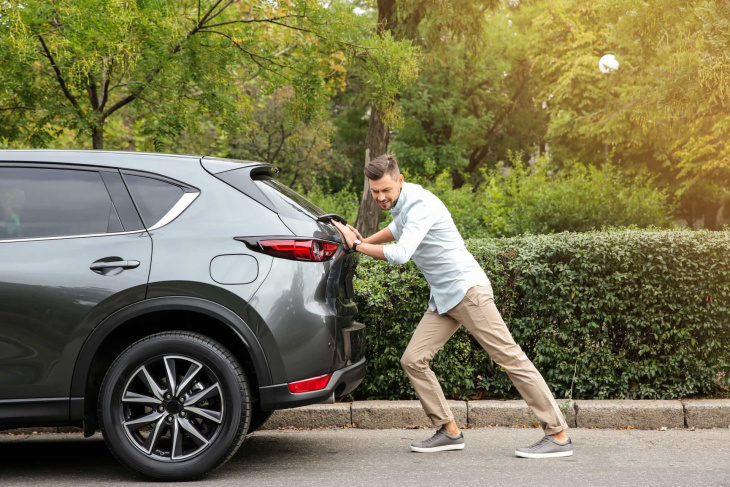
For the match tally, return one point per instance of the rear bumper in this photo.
(343, 382)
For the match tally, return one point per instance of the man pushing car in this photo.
(461, 294)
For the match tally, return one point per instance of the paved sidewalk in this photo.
(358, 457)
(640, 415)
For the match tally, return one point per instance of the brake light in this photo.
(309, 385)
(308, 250)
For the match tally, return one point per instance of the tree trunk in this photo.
(97, 137)
(368, 216)
(710, 212)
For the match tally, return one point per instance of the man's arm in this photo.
(367, 247)
(415, 229)
(381, 237)
(373, 250)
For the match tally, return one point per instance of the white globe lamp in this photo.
(608, 63)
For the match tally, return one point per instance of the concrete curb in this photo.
(647, 415)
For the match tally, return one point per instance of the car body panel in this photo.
(295, 319)
(182, 258)
(50, 300)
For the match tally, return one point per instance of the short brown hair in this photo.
(376, 168)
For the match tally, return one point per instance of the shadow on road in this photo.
(78, 461)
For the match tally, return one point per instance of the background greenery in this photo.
(470, 89)
(496, 106)
(620, 314)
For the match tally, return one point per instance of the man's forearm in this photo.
(381, 237)
(373, 250)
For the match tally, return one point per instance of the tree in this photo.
(302, 151)
(383, 115)
(425, 23)
(663, 112)
(474, 102)
(77, 64)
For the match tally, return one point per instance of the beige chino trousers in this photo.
(479, 315)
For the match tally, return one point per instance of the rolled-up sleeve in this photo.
(394, 230)
(418, 223)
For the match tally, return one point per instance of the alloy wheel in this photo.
(172, 408)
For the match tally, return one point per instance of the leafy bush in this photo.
(621, 314)
(535, 199)
(344, 203)
(531, 199)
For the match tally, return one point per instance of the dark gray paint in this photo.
(51, 302)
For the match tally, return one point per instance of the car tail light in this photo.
(309, 385)
(295, 249)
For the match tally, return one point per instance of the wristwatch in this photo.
(355, 243)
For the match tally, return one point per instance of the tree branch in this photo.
(210, 15)
(106, 75)
(252, 21)
(151, 76)
(91, 90)
(253, 56)
(61, 81)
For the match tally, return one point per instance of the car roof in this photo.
(142, 161)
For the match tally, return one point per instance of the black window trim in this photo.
(190, 194)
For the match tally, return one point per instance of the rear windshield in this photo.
(287, 202)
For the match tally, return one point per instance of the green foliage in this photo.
(303, 152)
(621, 314)
(664, 110)
(169, 65)
(537, 199)
(344, 202)
(473, 101)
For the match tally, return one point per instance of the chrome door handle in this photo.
(115, 264)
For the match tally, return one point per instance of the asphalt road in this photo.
(354, 457)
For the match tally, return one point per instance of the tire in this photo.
(174, 406)
(258, 418)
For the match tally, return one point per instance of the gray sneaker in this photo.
(441, 441)
(547, 447)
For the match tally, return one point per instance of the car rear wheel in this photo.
(174, 406)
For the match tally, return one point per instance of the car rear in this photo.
(304, 312)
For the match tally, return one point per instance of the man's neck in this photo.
(395, 202)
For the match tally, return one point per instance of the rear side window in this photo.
(154, 198)
(41, 202)
(287, 201)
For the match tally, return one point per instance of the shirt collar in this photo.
(395, 211)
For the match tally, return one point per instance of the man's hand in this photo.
(347, 235)
(354, 230)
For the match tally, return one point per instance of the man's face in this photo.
(386, 190)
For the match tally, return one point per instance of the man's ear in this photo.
(400, 179)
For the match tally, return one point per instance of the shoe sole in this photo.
(437, 448)
(544, 455)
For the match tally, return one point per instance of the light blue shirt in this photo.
(426, 233)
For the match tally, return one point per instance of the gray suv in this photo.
(173, 302)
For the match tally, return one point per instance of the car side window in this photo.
(44, 202)
(154, 198)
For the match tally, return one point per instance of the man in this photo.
(461, 294)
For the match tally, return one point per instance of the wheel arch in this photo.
(216, 321)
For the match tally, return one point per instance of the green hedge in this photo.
(621, 314)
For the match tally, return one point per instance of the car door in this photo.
(73, 250)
